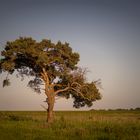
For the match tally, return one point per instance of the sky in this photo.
(106, 34)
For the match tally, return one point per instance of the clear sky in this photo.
(106, 33)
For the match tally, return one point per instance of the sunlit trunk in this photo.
(50, 114)
(49, 91)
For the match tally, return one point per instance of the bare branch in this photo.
(98, 83)
(44, 107)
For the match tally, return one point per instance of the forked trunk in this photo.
(49, 91)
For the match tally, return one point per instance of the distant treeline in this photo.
(118, 109)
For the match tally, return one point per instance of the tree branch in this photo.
(80, 93)
(57, 85)
(61, 90)
(44, 107)
(77, 91)
(75, 83)
(45, 76)
(79, 85)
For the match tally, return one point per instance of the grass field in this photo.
(83, 125)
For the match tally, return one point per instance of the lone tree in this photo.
(53, 66)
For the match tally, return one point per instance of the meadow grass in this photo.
(71, 125)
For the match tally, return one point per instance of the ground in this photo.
(70, 125)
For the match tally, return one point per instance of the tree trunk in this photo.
(50, 101)
(49, 91)
(50, 114)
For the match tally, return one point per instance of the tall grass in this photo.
(86, 125)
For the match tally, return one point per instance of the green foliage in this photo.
(83, 92)
(28, 57)
(6, 82)
(37, 55)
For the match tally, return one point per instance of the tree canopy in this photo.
(54, 65)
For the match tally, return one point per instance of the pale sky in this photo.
(106, 34)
